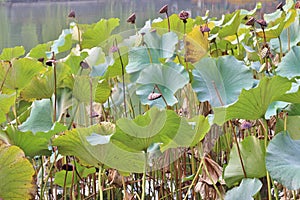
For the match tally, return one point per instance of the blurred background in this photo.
(30, 22)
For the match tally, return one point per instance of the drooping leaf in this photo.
(169, 78)
(6, 101)
(40, 118)
(288, 67)
(16, 174)
(98, 33)
(253, 155)
(33, 144)
(253, 104)
(102, 92)
(115, 67)
(213, 79)
(10, 53)
(20, 73)
(196, 45)
(282, 160)
(246, 190)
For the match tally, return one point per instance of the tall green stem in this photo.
(144, 177)
(100, 182)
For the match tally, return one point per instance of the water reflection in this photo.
(34, 22)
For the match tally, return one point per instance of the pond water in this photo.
(30, 22)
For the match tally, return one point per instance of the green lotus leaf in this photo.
(10, 53)
(246, 190)
(253, 155)
(253, 104)
(16, 174)
(84, 88)
(213, 80)
(6, 101)
(19, 74)
(176, 25)
(25, 140)
(282, 160)
(157, 126)
(74, 142)
(99, 32)
(289, 37)
(40, 50)
(102, 92)
(231, 26)
(156, 47)
(169, 78)
(82, 171)
(115, 69)
(288, 67)
(73, 61)
(292, 126)
(42, 86)
(40, 118)
(63, 43)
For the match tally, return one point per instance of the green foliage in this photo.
(16, 174)
(246, 190)
(282, 162)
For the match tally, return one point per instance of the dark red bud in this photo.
(164, 9)
(131, 18)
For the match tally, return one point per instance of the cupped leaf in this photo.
(16, 174)
(10, 53)
(288, 67)
(169, 78)
(155, 48)
(253, 104)
(253, 155)
(99, 32)
(282, 160)
(17, 75)
(246, 190)
(214, 81)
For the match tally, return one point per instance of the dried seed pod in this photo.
(251, 21)
(131, 19)
(114, 49)
(280, 6)
(262, 23)
(184, 15)
(204, 29)
(264, 52)
(71, 14)
(164, 9)
(153, 96)
(68, 167)
(84, 65)
(297, 5)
